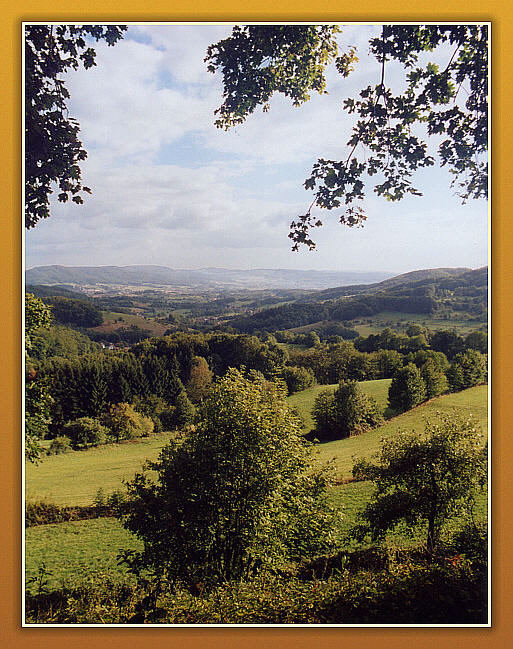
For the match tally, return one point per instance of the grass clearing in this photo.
(400, 321)
(74, 478)
(75, 550)
(343, 452)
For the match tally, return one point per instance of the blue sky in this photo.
(171, 189)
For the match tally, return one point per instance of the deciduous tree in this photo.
(448, 99)
(239, 492)
(424, 479)
(53, 151)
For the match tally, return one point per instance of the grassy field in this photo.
(400, 321)
(74, 478)
(76, 551)
(127, 320)
(343, 452)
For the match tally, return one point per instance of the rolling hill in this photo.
(147, 275)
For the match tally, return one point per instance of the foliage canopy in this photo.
(238, 493)
(52, 148)
(424, 479)
(386, 142)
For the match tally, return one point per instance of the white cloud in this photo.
(170, 188)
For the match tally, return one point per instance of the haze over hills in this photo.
(147, 275)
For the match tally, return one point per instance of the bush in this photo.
(297, 378)
(125, 423)
(59, 445)
(347, 411)
(466, 370)
(85, 432)
(238, 493)
(407, 389)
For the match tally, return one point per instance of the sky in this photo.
(171, 189)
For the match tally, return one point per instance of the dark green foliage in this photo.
(467, 369)
(387, 362)
(79, 313)
(434, 379)
(407, 389)
(59, 445)
(424, 479)
(345, 412)
(85, 432)
(403, 590)
(157, 409)
(259, 60)
(52, 148)
(184, 412)
(37, 396)
(477, 340)
(297, 378)
(237, 493)
(448, 342)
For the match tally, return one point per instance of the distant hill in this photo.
(413, 276)
(433, 291)
(76, 276)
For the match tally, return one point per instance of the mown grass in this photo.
(72, 551)
(74, 478)
(343, 452)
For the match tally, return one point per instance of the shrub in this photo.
(156, 408)
(59, 445)
(407, 389)
(238, 493)
(85, 432)
(297, 378)
(125, 423)
(347, 411)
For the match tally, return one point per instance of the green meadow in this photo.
(76, 551)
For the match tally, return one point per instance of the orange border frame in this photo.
(12, 635)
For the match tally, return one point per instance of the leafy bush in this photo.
(345, 412)
(239, 492)
(407, 389)
(85, 432)
(297, 378)
(59, 445)
(411, 591)
(125, 423)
